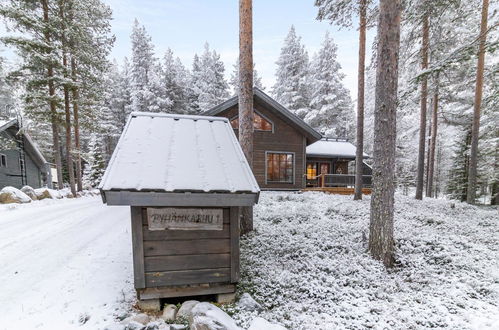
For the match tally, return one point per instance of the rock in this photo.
(206, 316)
(259, 323)
(169, 313)
(247, 302)
(30, 192)
(178, 327)
(13, 195)
(43, 193)
(66, 193)
(155, 326)
(135, 326)
(141, 318)
(185, 310)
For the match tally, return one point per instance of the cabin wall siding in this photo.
(10, 175)
(284, 138)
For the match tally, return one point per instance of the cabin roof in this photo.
(178, 153)
(311, 134)
(30, 146)
(332, 148)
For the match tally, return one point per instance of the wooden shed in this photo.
(185, 178)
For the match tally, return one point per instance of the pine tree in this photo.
(381, 241)
(292, 86)
(40, 70)
(330, 106)
(209, 84)
(96, 164)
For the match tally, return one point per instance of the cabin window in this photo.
(280, 167)
(3, 160)
(259, 123)
(311, 171)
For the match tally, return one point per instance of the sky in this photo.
(184, 26)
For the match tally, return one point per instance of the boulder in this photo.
(135, 326)
(246, 302)
(206, 316)
(30, 192)
(13, 195)
(259, 323)
(66, 193)
(169, 313)
(141, 318)
(185, 310)
(43, 193)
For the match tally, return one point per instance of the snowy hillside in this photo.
(66, 264)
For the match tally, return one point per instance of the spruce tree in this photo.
(234, 79)
(330, 107)
(292, 86)
(209, 84)
(96, 164)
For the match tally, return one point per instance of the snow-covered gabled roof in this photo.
(178, 153)
(332, 148)
(311, 134)
(30, 145)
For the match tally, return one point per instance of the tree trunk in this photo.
(76, 123)
(359, 170)
(53, 105)
(382, 200)
(67, 111)
(427, 168)
(246, 96)
(434, 133)
(422, 119)
(478, 102)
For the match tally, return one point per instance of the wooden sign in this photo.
(184, 219)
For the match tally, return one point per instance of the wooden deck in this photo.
(338, 190)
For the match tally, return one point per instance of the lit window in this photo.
(280, 167)
(311, 171)
(3, 160)
(259, 123)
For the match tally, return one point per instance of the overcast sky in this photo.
(186, 25)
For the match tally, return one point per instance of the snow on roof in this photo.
(332, 148)
(171, 153)
(5, 123)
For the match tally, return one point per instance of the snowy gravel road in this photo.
(63, 264)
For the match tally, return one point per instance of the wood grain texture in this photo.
(182, 277)
(234, 244)
(180, 247)
(187, 262)
(158, 235)
(185, 290)
(137, 248)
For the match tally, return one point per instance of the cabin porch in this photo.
(335, 175)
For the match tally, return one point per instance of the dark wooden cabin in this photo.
(280, 141)
(21, 162)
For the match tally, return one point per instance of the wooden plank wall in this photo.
(284, 138)
(183, 257)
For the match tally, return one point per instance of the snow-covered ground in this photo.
(67, 264)
(64, 263)
(307, 264)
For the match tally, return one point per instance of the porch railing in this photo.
(337, 180)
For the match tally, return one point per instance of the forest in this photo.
(74, 99)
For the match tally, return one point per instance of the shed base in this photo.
(149, 305)
(185, 291)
